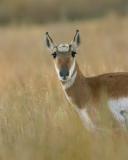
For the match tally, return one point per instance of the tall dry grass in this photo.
(36, 122)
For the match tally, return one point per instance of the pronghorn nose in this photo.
(64, 73)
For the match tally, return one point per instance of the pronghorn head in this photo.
(64, 56)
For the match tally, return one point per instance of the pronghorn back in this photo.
(115, 84)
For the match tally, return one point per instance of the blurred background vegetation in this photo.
(36, 121)
(40, 11)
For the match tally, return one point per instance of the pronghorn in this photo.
(86, 93)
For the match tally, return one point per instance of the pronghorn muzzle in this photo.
(64, 73)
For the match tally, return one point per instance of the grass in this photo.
(36, 121)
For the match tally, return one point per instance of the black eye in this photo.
(73, 54)
(54, 55)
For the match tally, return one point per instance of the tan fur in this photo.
(86, 91)
(64, 61)
(90, 95)
(91, 92)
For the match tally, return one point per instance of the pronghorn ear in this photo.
(49, 42)
(76, 41)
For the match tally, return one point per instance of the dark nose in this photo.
(64, 73)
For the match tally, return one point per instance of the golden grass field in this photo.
(36, 121)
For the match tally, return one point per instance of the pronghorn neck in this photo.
(76, 88)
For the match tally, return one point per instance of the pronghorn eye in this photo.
(73, 54)
(54, 55)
